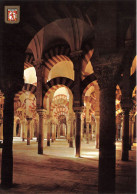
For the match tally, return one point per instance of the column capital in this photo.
(76, 57)
(28, 118)
(106, 76)
(41, 112)
(74, 54)
(126, 103)
(78, 109)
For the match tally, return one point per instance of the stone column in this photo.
(106, 77)
(130, 130)
(82, 129)
(78, 133)
(14, 129)
(7, 155)
(87, 132)
(76, 58)
(39, 65)
(41, 113)
(97, 114)
(133, 122)
(23, 130)
(58, 131)
(52, 132)
(107, 140)
(91, 132)
(97, 117)
(26, 126)
(68, 130)
(28, 129)
(48, 131)
(126, 106)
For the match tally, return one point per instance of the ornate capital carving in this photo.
(106, 76)
(76, 57)
(41, 112)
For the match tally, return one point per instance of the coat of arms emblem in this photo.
(12, 14)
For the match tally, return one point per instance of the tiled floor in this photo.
(58, 171)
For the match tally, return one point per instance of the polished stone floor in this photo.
(58, 171)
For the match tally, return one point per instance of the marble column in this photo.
(87, 132)
(58, 131)
(97, 117)
(52, 132)
(41, 113)
(48, 132)
(91, 131)
(82, 129)
(106, 78)
(78, 133)
(68, 130)
(76, 58)
(125, 136)
(133, 122)
(130, 130)
(107, 140)
(46, 129)
(71, 135)
(28, 129)
(126, 104)
(23, 130)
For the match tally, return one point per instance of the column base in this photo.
(28, 142)
(71, 144)
(40, 151)
(48, 143)
(77, 155)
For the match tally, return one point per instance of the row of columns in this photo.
(106, 133)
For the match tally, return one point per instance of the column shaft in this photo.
(107, 141)
(23, 131)
(7, 155)
(125, 137)
(28, 131)
(130, 132)
(78, 134)
(48, 134)
(87, 131)
(97, 130)
(71, 136)
(41, 132)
